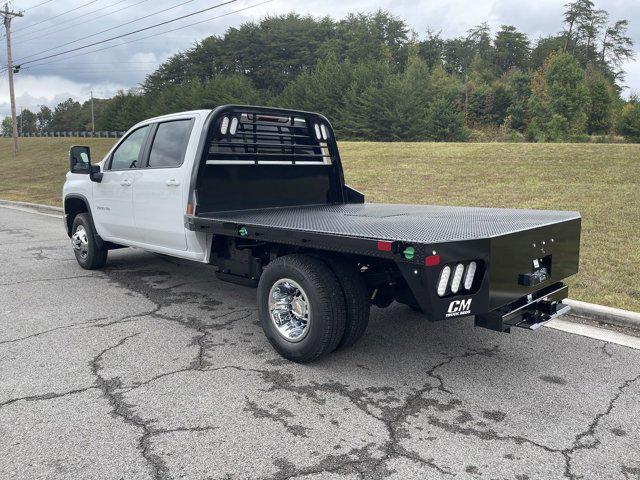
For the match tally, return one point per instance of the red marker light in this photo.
(432, 260)
(384, 246)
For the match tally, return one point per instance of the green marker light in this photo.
(243, 231)
(409, 253)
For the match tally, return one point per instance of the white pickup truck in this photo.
(259, 193)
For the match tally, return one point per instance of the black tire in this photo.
(95, 256)
(356, 299)
(326, 306)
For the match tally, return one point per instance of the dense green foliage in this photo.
(376, 80)
(630, 120)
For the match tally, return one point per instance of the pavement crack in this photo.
(119, 408)
(126, 319)
(45, 396)
(604, 350)
(154, 378)
(590, 432)
(278, 415)
(56, 279)
(44, 332)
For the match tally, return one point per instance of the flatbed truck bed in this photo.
(429, 224)
(259, 193)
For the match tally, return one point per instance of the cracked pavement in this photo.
(152, 368)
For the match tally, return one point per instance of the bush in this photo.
(630, 122)
(445, 123)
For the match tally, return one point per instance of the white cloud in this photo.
(50, 90)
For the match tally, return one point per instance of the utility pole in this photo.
(8, 16)
(21, 117)
(93, 119)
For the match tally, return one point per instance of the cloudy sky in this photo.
(123, 63)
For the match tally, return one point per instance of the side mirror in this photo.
(79, 159)
(80, 162)
(95, 175)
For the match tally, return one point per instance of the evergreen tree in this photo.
(630, 120)
(559, 100)
(27, 122)
(511, 49)
(7, 126)
(601, 102)
(67, 116)
(44, 118)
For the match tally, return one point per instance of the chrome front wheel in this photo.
(289, 309)
(80, 241)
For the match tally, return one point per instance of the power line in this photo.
(34, 35)
(56, 16)
(131, 33)
(152, 35)
(98, 63)
(107, 30)
(38, 5)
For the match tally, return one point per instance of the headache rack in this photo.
(242, 136)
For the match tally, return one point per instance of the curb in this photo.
(33, 206)
(600, 313)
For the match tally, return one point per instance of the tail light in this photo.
(454, 284)
(468, 279)
(444, 280)
(457, 278)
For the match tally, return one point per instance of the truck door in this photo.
(159, 196)
(113, 196)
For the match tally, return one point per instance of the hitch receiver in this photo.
(530, 312)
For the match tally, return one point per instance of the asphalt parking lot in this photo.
(152, 368)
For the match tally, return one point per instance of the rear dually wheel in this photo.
(302, 308)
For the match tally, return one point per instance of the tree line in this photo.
(378, 80)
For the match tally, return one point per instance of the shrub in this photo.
(630, 121)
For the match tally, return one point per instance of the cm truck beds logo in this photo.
(459, 307)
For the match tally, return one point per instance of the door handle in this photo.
(172, 182)
(125, 182)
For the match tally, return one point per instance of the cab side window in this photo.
(127, 154)
(170, 143)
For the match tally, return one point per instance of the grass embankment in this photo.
(600, 181)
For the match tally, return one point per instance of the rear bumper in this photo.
(531, 311)
(518, 278)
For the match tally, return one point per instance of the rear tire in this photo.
(356, 299)
(89, 254)
(292, 286)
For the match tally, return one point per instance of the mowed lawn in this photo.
(600, 181)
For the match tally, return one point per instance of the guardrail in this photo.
(111, 134)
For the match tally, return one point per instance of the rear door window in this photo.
(170, 143)
(127, 154)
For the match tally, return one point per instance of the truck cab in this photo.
(259, 193)
(144, 183)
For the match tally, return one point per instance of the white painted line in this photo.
(29, 210)
(595, 332)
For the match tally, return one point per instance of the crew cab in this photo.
(259, 194)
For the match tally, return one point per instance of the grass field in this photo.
(600, 181)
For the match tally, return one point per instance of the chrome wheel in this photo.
(289, 309)
(80, 241)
